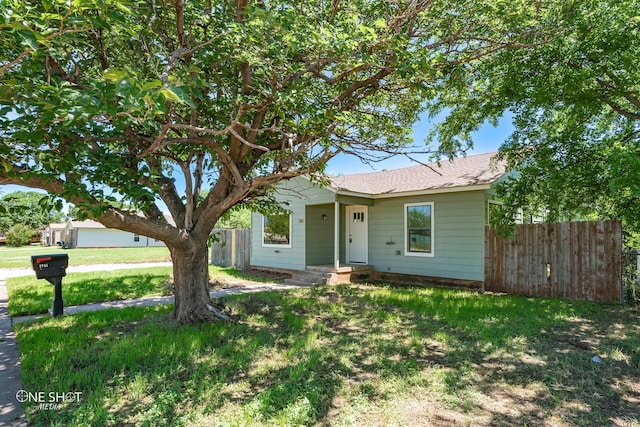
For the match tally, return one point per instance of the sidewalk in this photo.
(11, 411)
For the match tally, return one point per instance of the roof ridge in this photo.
(465, 171)
(430, 164)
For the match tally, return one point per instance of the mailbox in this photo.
(52, 268)
(54, 265)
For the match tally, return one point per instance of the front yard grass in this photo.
(28, 295)
(21, 257)
(342, 355)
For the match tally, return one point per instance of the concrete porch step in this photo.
(300, 283)
(322, 275)
(308, 278)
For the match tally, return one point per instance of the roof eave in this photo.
(474, 187)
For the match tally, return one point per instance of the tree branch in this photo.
(622, 111)
(244, 141)
(111, 217)
(183, 52)
(360, 84)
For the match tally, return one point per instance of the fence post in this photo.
(233, 248)
(638, 265)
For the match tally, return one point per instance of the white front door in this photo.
(357, 234)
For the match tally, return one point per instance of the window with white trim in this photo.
(276, 230)
(418, 229)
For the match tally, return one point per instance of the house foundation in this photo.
(427, 281)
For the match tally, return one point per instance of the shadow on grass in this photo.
(529, 359)
(134, 367)
(356, 354)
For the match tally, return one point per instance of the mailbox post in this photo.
(52, 268)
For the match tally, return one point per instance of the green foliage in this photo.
(631, 273)
(575, 104)
(28, 295)
(76, 212)
(237, 217)
(19, 235)
(107, 101)
(33, 209)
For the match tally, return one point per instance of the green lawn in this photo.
(342, 356)
(21, 257)
(28, 295)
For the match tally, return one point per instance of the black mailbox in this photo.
(52, 268)
(54, 265)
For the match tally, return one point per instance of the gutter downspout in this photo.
(336, 235)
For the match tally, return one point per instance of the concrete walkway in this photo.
(11, 411)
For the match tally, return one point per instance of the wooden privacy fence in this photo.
(233, 248)
(576, 260)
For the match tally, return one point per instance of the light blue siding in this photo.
(320, 229)
(293, 195)
(458, 234)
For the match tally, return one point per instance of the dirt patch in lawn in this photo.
(246, 278)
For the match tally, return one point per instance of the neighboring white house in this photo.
(53, 234)
(92, 234)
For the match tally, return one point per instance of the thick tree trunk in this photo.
(193, 303)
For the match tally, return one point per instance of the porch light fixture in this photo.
(324, 217)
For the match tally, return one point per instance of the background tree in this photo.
(575, 103)
(19, 235)
(74, 212)
(35, 210)
(277, 228)
(237, 217)
(156, 101)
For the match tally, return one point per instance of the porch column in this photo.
(336, 235)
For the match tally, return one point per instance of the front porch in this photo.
(337, 234)
(331, 275)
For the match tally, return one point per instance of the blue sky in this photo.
(487, 139)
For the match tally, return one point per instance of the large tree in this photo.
(105, 100)
(575, 103)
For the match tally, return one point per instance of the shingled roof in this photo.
(461, 172)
